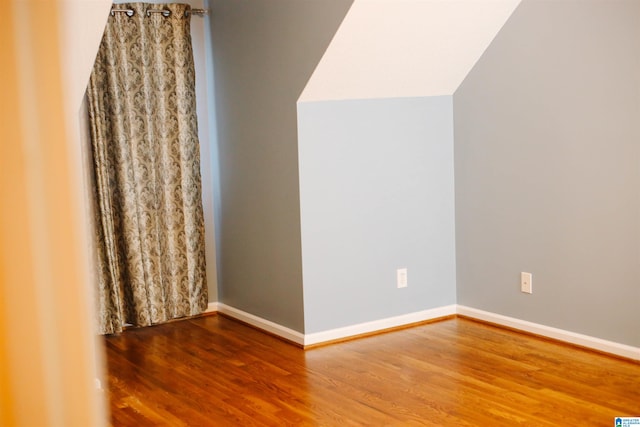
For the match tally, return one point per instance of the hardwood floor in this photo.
(213, 371)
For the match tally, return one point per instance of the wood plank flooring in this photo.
(213, 371)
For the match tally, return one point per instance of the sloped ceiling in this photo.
(406, 48)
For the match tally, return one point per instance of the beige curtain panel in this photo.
(149, 221)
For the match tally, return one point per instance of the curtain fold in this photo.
(149, 220)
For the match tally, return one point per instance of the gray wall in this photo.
(547, 158)
(264, 53)
(376, 190)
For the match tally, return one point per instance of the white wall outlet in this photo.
(526, 282)
(401, 277)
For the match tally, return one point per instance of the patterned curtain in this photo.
(149, 218)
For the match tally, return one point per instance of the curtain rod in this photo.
(164, 12)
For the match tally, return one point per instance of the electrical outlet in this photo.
(401, 277)
(526, 282)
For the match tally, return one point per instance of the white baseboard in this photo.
(211, 308)
(260, 323)
(587, 341)
(378, 325)
(332, 334)
(317, 338)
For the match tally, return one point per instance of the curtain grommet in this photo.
(163, 12)
(128, 12)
